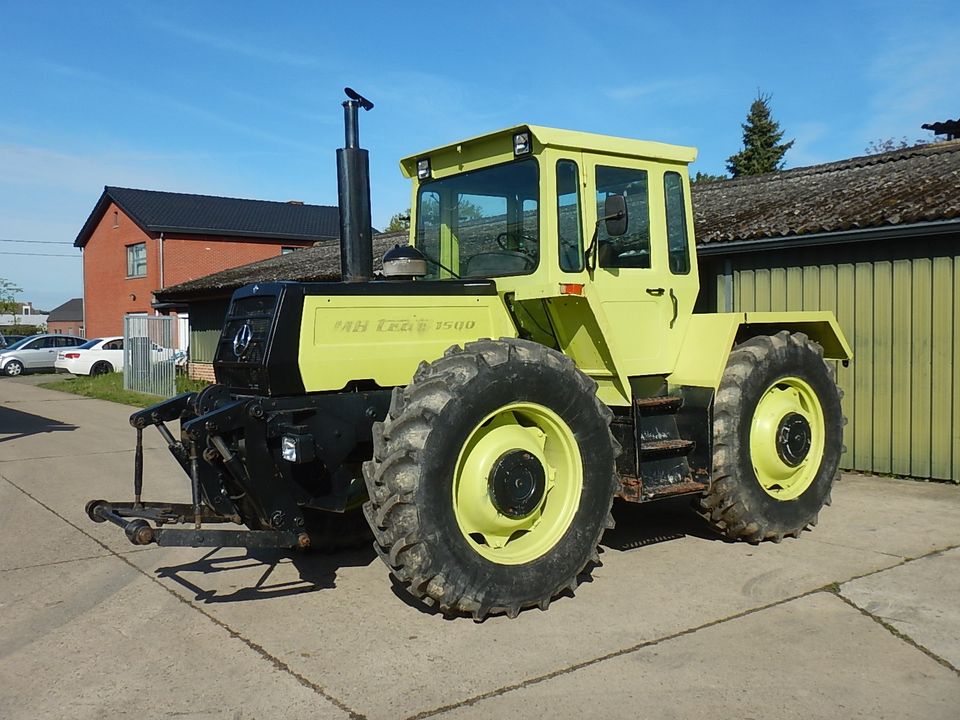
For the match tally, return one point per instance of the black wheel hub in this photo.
(793, 439)
(517, 483)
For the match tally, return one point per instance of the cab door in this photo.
(643, 279)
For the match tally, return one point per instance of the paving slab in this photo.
(338, 621)
(31, 535)
(96, 639)
(907, 518)
(921, 599)
(815, 657)
(40, 423)
(65, 484)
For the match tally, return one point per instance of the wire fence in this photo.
(154, 349)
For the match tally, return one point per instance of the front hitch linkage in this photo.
(135, 517)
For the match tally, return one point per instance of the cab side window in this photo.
(632, 249)
(677, 247)
(569, 216)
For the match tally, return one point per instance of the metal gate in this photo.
(152, 353)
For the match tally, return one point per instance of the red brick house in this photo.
(137, 242)
(67, 319)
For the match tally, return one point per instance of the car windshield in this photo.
(89, 344)
(483, 223)
(19, 343)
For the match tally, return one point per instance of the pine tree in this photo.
(761, 152)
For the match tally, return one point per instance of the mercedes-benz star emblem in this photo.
(241, 341)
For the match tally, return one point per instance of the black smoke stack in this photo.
(353, 184)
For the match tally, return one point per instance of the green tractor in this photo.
(531, 355)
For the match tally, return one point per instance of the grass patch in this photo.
(110, 387)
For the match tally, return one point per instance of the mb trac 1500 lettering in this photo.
(532, 354)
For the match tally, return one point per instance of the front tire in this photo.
(778, 437)
(13, 368)
(492, 478)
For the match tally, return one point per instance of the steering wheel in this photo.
(519, 241)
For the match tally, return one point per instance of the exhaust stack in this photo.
(353, 184)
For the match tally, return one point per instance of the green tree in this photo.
(8, 297)
(762, 151)
(399, 222)
(707, 178)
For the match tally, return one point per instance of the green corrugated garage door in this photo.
(900, 307)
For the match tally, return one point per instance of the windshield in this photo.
(89, 344)
(19, 343)
(483, 223)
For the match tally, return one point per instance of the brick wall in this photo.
(109, 294)
(189, 258)
(201, 371)
(66, 327)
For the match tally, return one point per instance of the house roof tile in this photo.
(917, 184)
(155, 212)
(312, 264)
(70, 311)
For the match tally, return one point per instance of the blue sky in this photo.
(243, 99)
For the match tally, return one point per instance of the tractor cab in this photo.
(588, 237)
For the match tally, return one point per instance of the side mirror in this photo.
(615, 215)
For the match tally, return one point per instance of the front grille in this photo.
(256, 312)
(242, 365)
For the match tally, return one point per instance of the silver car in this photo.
(37, 352)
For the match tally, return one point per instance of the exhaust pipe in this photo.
(353, 185)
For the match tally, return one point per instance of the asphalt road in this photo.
(858, 618)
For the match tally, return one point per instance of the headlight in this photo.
(297, 448)
(521, 143)
(423, 169)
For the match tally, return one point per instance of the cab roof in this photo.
(569, 139)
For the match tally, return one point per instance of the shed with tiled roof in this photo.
(876, 240)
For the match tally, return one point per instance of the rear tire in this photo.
(13, 368)
(778, 437)
(101, 367)
(492, 478)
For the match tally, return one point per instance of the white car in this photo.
(95, 357)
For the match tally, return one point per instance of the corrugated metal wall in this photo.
(206, 322)
(899, 304)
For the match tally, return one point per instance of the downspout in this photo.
(161, 262)
(83, 276)
(157, 312)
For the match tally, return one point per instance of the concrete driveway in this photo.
(859, 618)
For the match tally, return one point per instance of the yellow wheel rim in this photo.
(517, 483)
(787, 438)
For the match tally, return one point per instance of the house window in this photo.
(137, 260)
(116, 218)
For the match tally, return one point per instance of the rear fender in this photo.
(710, 338)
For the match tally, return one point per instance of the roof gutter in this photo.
(720, 247)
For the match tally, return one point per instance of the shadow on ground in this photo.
(654, 522)
(223, 575)
(16, 424)
(312, 571)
